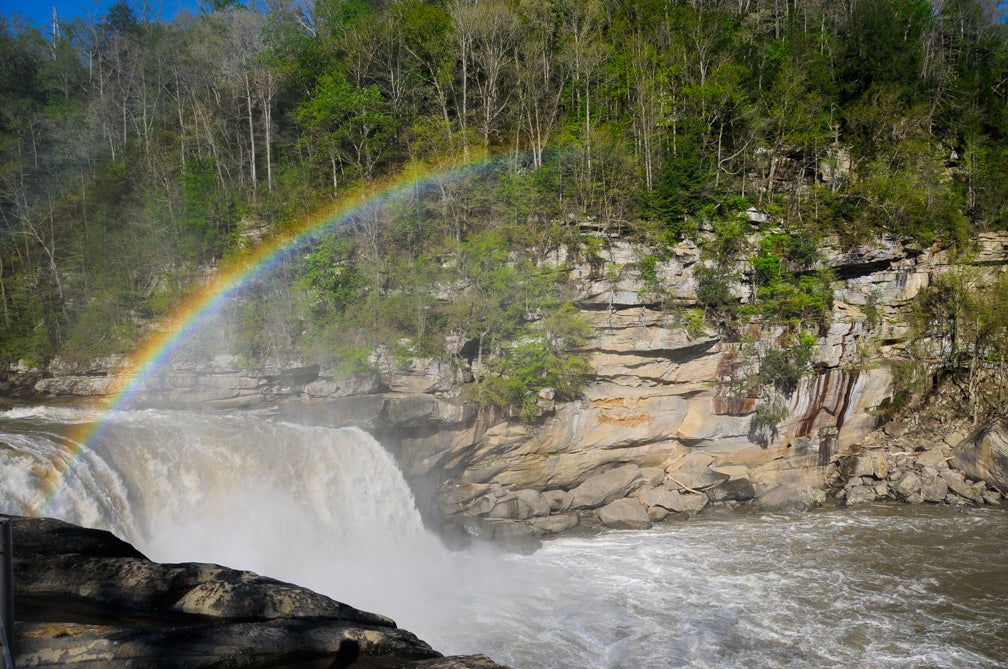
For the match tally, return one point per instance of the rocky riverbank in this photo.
(937, 463)
(665, 428)
(83, 598)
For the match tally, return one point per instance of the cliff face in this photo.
(663, 428)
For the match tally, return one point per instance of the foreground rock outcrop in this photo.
(83, 598)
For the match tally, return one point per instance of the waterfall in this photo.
(328, 509)
(323, 507)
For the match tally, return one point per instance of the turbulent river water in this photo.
(877, 586)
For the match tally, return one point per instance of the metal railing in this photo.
(6, 595)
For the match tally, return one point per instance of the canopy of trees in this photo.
(136, 152)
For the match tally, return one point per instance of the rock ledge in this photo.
(83, 598)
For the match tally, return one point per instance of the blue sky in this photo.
(39, 12)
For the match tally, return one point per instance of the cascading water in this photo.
(322, 507)
(894, 586)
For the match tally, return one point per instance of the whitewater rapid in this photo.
(327, 508)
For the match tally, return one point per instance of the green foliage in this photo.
(103, 328)
(909, 384)
(682, 183)
(204, 221)
(516, 378)
(960, 330)
(783, 368)
(693, 319)
(330, 275)
(786, 292)
(714, 291)
(885, 45)
(123, 184)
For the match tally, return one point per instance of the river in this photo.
(875, 586)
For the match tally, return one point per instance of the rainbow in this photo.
(229, 278)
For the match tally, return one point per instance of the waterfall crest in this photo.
(322, 507)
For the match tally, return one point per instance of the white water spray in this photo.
(326, 508)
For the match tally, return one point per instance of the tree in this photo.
(351, 123)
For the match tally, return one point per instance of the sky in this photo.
(39, 12)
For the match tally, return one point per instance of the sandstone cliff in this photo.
(663, 429)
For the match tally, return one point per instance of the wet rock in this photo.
(957, 484)
(737, 490)
(792, 497)
(555, 523)
(657, 514)
(624, 514)
(327, 386)
(457, 662)
(532, 503)
(860, 494)
(985, 457)
(934, 490)
(690, 503)
(991, 497)
(516, 536)
(86, 599)
(558, 500)
(659, 497)
(604, 488)
(908, 484)
(81, 386)
(507, 507)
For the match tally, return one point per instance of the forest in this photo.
(137, 153)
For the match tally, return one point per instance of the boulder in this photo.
(738, 490)
(603, 488)
(659, 497)
(792, 497)
(696, 479)
(934, 490)
(960, 486)
(908, 484)
(86, 599)
(516, 536)
(532, 503)
(933, 457)
(871, 464)
(558, 500)
(991, 497)
(690, 503)
(654, 476)
(859, 494)
(554, 524)
(624, 514)
(985, 457)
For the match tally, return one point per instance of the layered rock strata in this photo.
(83, 598)
(667, 420)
